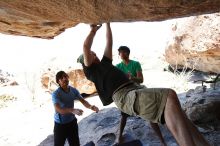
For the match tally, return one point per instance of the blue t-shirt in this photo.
(65, 100)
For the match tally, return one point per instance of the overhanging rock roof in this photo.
(48, 18)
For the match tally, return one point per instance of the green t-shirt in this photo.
(133, 67)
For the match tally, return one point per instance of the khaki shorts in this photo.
(137, 100)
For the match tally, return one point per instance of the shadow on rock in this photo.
(102, 129)
(48, 141)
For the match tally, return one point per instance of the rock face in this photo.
(102, 129)
(46, 19)
(76, 77)
(196, 43)
(79, 81)
(203, 107)
(48, 82)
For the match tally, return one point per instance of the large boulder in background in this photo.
(202, 108)
(48, 18)
(76, 77)
(79, 81)
(196, 43)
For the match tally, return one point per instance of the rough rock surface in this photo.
(203, 107)
(48, 18)
(79, 81)
(102, 129)
(196, 43)
(76, 77)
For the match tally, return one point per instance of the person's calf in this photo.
(176, 121)
(157, 131)
(198, 138)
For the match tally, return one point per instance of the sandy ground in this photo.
(28, 123)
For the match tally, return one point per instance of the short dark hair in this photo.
(59, 75)
(124, 48)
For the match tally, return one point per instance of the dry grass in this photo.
(181, 79)
(4, 99)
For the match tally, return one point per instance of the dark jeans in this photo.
(67, 131)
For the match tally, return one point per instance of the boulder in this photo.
(48, 82)
(79, 81)
(102, 128)
(195, 43)
(202, 107)
(48, 18)
(76, 77)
